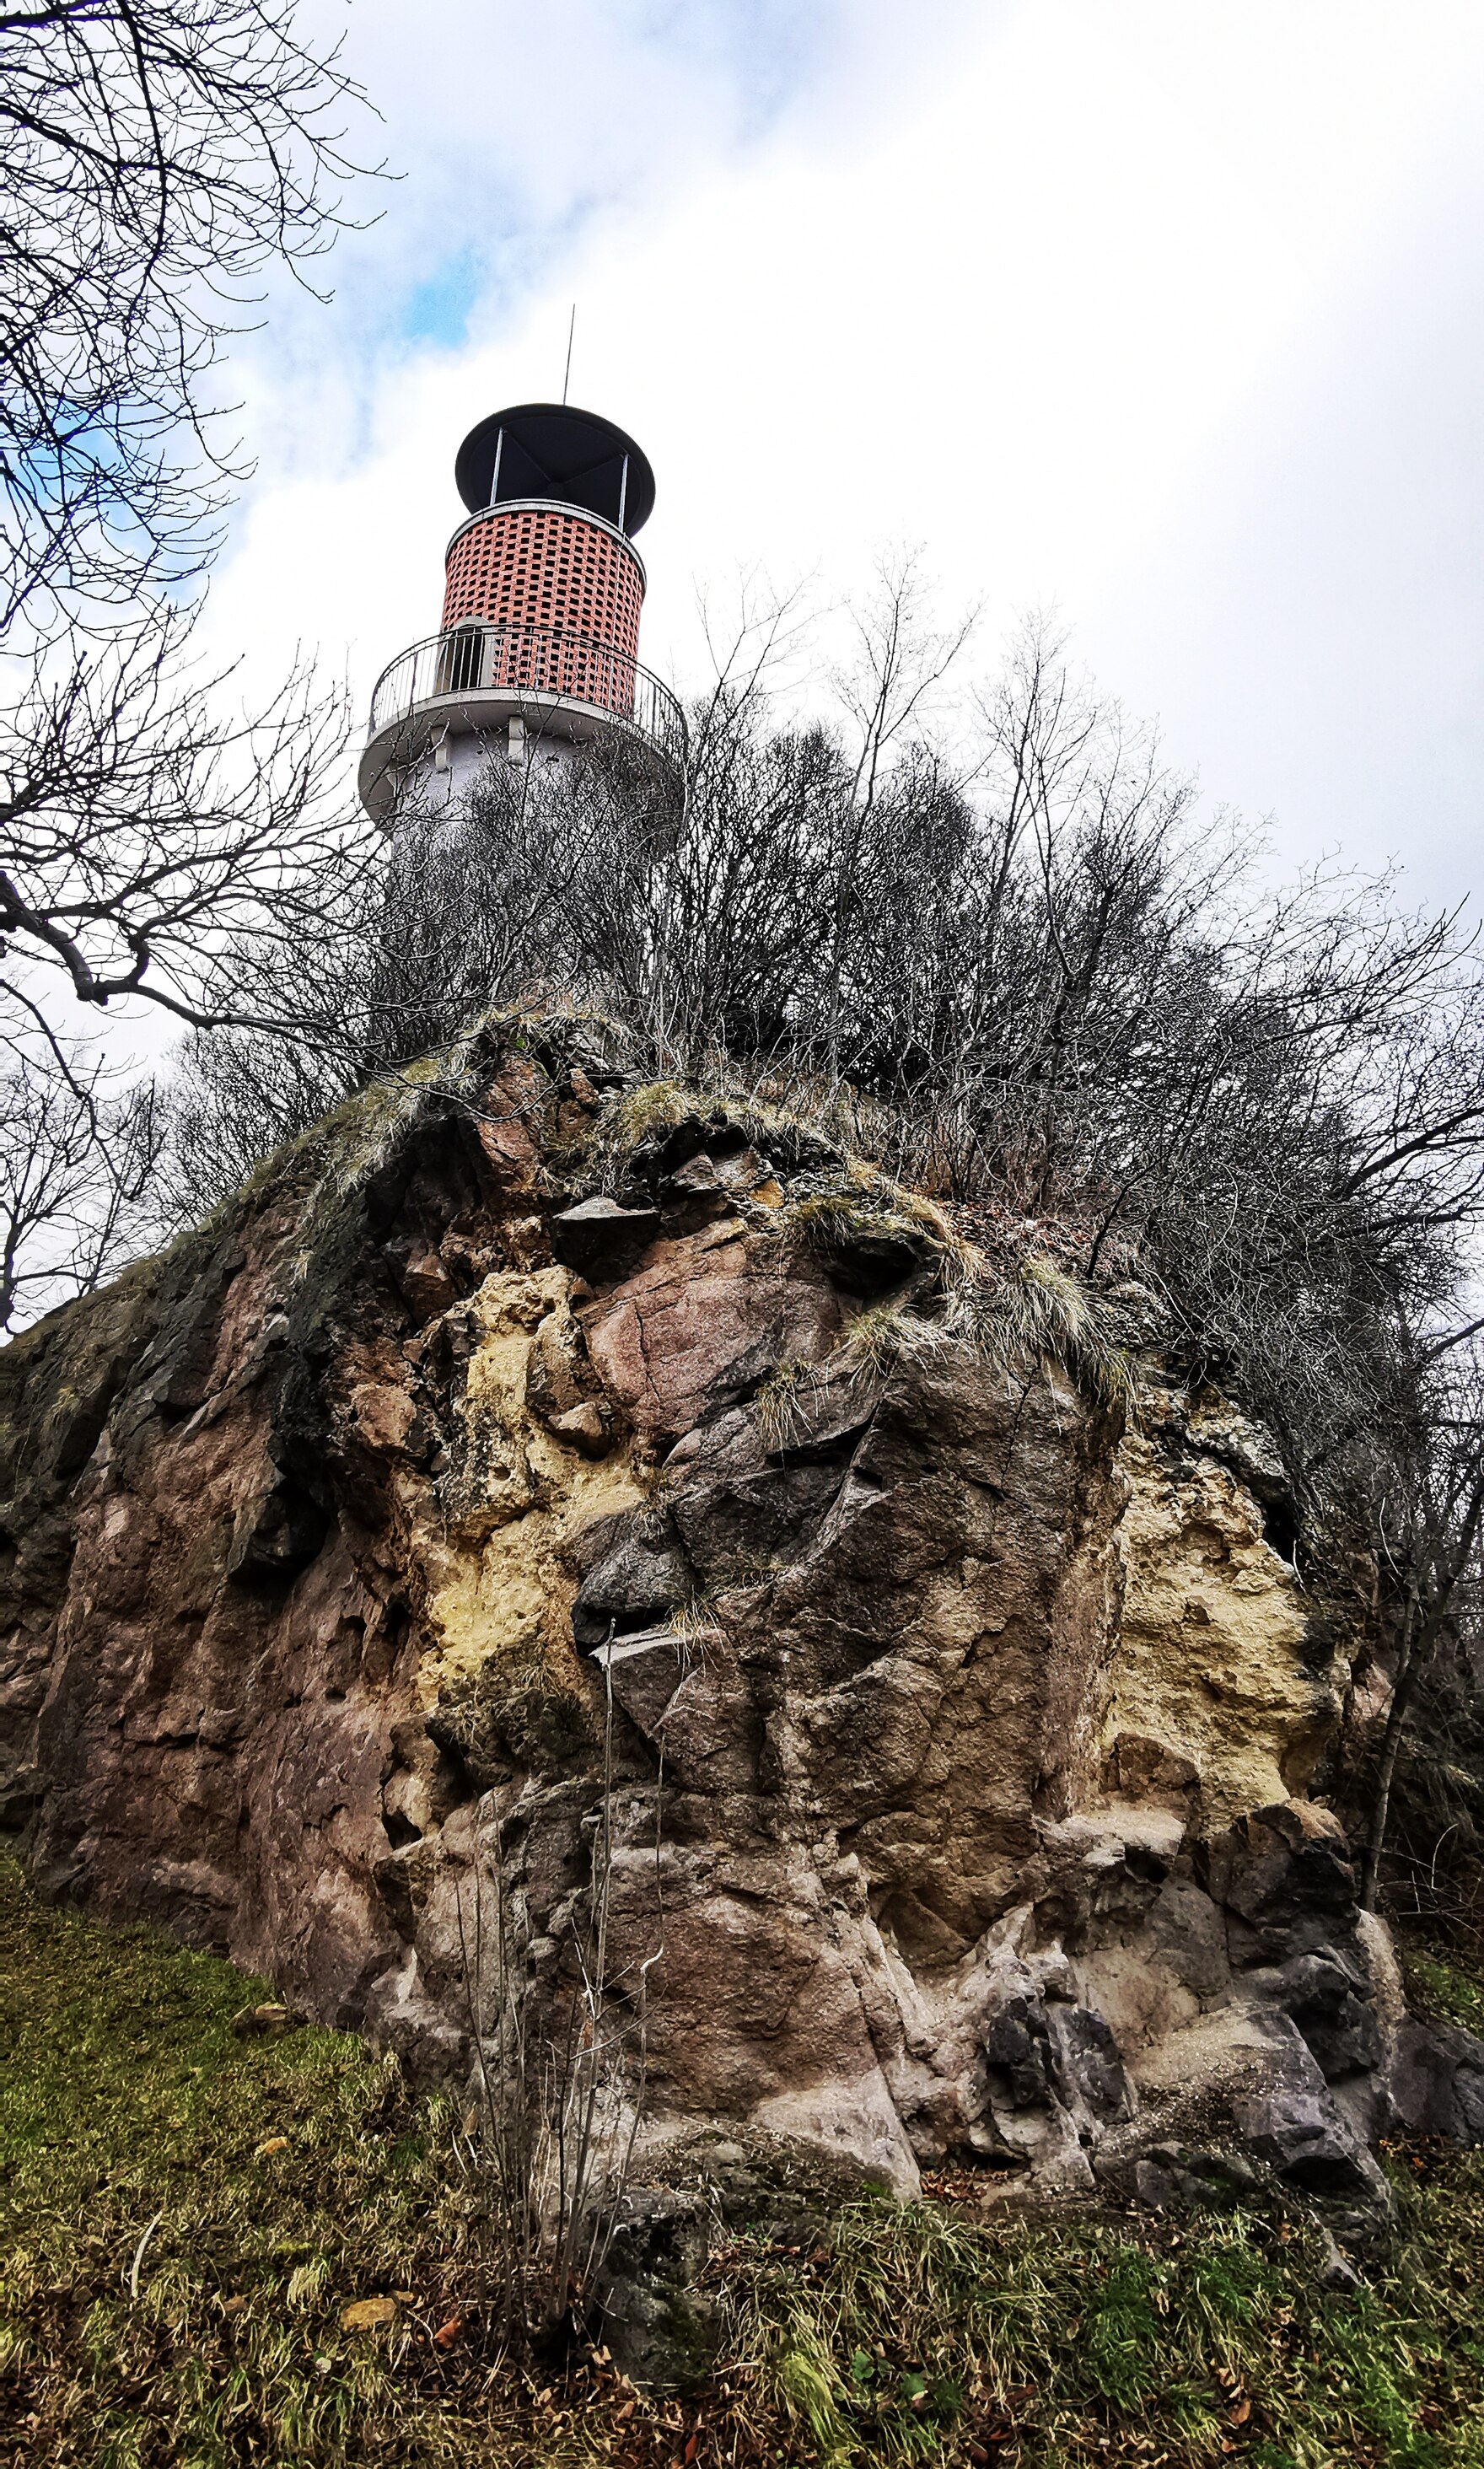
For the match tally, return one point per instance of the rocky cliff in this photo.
(963, 1714)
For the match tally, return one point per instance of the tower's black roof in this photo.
(546, 450)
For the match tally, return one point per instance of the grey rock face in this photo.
(1290, 2122)
(1436, 2081)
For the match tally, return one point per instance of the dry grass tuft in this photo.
(696, 1628)
(885, 1335)
(626, 1120)
(1042, 1312)
(781, 1399)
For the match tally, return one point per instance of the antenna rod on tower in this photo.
(572, 329)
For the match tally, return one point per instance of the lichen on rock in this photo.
(1214, 1667)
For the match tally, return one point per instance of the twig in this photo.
(139, 2254)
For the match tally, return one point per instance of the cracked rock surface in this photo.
(961, 1743)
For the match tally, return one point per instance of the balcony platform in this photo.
(473, 682)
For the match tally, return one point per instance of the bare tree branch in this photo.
(156, 157)
(77, 1167)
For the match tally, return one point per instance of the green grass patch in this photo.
(171, 2290)
(928, 2338)
(1439, 1985)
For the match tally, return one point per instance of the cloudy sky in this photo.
(1167, 316)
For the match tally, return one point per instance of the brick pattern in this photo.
(542, 568)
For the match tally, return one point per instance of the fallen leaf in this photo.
(693, 2446)
(366, 2313)
(406, 2296)
(271, 2018)
(448, 2332)
(274, 2143)
(1238, 2412)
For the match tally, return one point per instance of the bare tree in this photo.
(77, 1166)
(139, 835)
(139, 831)
(1429, 1534)
(706, 946)
(156, 158)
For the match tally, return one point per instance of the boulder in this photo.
(601, 1240)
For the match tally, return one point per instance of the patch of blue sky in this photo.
(514, 259)
(439, 309)
(87, 491)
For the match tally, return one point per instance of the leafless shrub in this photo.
(406, 947)
(560, 2081)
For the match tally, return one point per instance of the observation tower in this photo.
(538, 653)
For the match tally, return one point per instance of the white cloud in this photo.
(1142, 312)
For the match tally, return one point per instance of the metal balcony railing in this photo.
(519, 660)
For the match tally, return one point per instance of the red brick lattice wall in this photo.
(542, 567)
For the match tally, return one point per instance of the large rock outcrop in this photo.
(961, 1737)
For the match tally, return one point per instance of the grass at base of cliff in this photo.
(188, 2215)
(1442, 1985)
